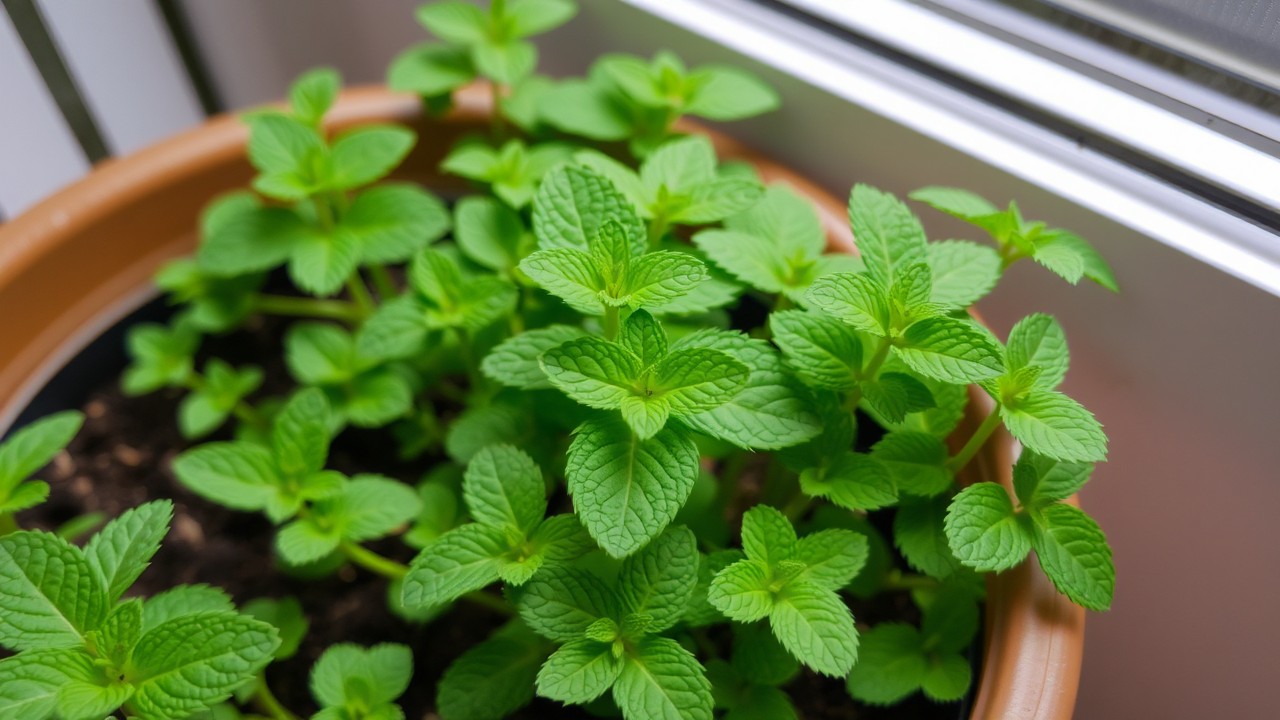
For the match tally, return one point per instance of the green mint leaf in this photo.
(856, 299)
(743, 591)
(368, 153)
(626, 490)
(505, 63)
(658, 278)
(431, 70)
(825, 352)
(115, 639)
(832, 557)
(767, 535)
(307, 540)
(626, 180)
(645, 415)
(182, 601)
(193, 662)
(438, 493)
(455, 22)
(494, 678)
(786, 219)
(561, 538)
(1074, 553)
(491, 234)
(1040, 481)
(593, 371)
(572, 206)
(919, 535)
(816, 627)
(320, 353)
(891, 666)
(1070, 257)
(350, 676)
(534, 17)
(213, 303)
(755, 260)
(638, 79)
(662, 681)
(948, 679)
(33, 446)
(579, 671)
(161, 357)
(462, 560)
(53, 596)
(484, 425)
(694, 380)
(953, 201)
(758, 657)
(984, 531)
(570, 275)
(645, 338)
(320, 264)
(287, 617)
(395, 331)
(300, 433)
(700, 612)
(894, 395)
(515, 362)
(313, 93)
(762, 702)
(240, 235)
(963, 272)
(888, 234)
(31, 681)
(725, 93)
(917, 462)
(949, 403)
(853, 481)
(123, 549)
(504, 488)
(205, 410)
(681, 185)
(1055, 426)
(772, 410)
(394, 221)
(1038, 341)
(951, 619)
(238, 475)
(290, 155)
(912, 289)
(91, 698)
(659, 580)
(451, 302)
(950, 350)
(589, 108)
(560, 602)
(370, 507)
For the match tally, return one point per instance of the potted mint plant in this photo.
(591, 421)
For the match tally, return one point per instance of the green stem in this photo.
(373, 562)
(8, 524)
(657, 228)
(492, 602)
(496, 125)
(869, 372)
(266, 703)
(798, 506)
(309, 307)
(360, 293)
(382, 281)
(980, 437)
(611, 323)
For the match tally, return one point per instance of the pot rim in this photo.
(146, 204)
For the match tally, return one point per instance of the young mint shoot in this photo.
(622, 398)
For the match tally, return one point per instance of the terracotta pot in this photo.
(76, 264)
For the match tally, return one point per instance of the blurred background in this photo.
(1150, 127)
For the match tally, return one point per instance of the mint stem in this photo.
(308, 307)
(610, 323)
(382, 281)
(373, 562)
(971, 448)
(360, 293)
(8, 524)
(265, 701)
(869, 373)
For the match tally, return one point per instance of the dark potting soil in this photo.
(122, 458)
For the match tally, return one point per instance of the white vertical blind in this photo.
(125, 64)
(38, 153)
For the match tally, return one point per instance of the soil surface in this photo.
(122, 458)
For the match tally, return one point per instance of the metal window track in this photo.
(1147, 168)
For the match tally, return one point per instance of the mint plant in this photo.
(661, 439)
